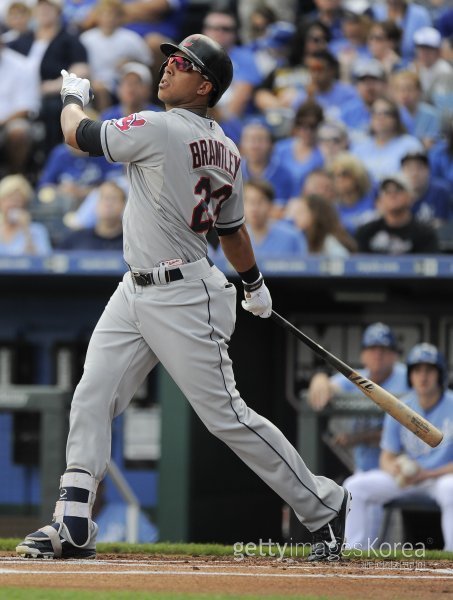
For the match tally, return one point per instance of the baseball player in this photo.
(431, 473)
(173, 305)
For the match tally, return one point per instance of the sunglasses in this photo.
(183, 64)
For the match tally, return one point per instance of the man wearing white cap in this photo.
(436, 74)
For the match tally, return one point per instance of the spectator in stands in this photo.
(258, 162)
(333, 139)
(408, 16)
(17, 21)
(269, 237)
(284, 10)
(380, 359)
(70, 174)
(353, 45)
(157, 21)
(354, 194)
(259, 19)
(133, 92)
(50, 48)
(324, 86)
(19, 101)
(387, 143)
(317, 218)
(421, 119)
(384, 41)
(441, 156)
(272, 39)
(432, 197)
(273, 49)
(107, 234)
(300, 152)
(370, 82)
(435, 73)
(318, 182)
(109, 46)
(433, 467)
(236, 102)
(396, 231)
(18, 235)
(75, 12)
(330, 13)
(278, 90)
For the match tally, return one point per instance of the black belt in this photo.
(148, 279)
(170, 275)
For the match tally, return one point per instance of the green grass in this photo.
(181, 549)
(175, 549)
(48, 594)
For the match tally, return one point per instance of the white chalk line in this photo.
(197, 573)
(188, 565)
(183, 564)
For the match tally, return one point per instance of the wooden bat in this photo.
(397, 409)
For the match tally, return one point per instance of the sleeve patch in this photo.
(125, 123)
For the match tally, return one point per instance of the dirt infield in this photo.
(415, 579)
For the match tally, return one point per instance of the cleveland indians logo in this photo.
(188, 41)
(125, 123)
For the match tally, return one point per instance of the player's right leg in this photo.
(116, 364)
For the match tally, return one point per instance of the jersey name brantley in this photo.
(215, 154)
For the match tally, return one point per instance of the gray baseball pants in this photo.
(186, 325)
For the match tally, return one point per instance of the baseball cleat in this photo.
(48, 543)
(328, 541)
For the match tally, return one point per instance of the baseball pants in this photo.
(377, 487)
(186, 325)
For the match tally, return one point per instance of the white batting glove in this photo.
(258, 300)
(75, 86)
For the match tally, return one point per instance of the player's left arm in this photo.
(238, 250)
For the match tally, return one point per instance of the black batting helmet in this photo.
(210, 57)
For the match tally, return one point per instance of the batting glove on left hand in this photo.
(75, 86)
(258, 300)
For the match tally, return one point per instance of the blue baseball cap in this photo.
(379, 334)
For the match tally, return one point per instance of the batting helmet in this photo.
(210, 57)
(429, 355)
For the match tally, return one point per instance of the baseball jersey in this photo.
(185, 178)
(366, 456)
(396, 438)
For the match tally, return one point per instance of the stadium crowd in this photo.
(342, 110)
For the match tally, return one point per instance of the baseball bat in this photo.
(389, 403)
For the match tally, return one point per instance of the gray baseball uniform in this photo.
(184, 176)
(173, 305)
